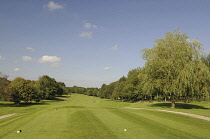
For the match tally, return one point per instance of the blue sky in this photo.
(91, 42)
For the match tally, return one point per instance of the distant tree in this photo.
(68, 91)
(61, 88)
(47, 87)
(4, 82)
(174, 67)
(81, 90)
(76, 89)
(132, 91)
(21, 89)
(95, 91)
(102, 91)
(118, 91)
(89, 92)
(109, 90)
(29, 92)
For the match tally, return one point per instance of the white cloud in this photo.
(53, 60)
(89, 26)
(86, 35)
(56, 65)
(51, 6)
(107, 68)
(30, 48)
(49, 59)
(116, 47)
(26, 58)
(2, 58)
(16, 69)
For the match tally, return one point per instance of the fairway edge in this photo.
(182, 113)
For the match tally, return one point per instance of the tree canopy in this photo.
(21, 89)
(174, 67)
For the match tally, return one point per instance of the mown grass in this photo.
(81, 116)
(200, 108)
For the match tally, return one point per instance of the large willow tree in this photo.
(174, 68)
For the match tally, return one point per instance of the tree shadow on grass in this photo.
(57, 99)
(178, 106)
(118, 100)
(42, 102)
(63, 96)
(21, 104)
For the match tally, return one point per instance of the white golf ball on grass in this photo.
(19, 131)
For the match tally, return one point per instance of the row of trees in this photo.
(175, 69)
(82, 90)
(21, 89)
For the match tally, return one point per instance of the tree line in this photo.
(21, 89)
(176, 69)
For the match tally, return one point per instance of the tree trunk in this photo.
(173, 104)
(172, 101)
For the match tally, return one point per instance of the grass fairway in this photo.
(81, 116)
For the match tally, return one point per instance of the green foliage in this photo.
(21, 89)
(26, 90)
(102, 92)
(206, 60)
(4, 82)
(47, 87)
(61, 88)
(174, 67)
(132, 90)
(75, 89)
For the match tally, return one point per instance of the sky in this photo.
(91, 42)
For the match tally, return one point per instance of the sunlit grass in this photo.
(81, 116)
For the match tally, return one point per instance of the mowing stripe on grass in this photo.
(89, 117)
(84, 124)
(152, 125)
(7, 115)
(123, 128)
(13, 119)
(187, 125)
